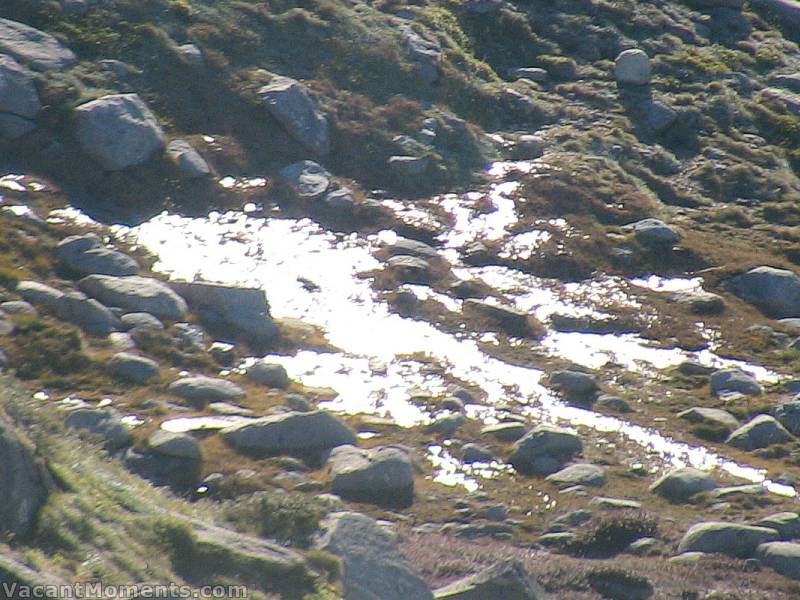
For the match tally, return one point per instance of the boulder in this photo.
(653, 233)
(119, 131)
(472, 453)
(407, 247)
(788, 414)
(424, 54)
(374, 567)
(188, 160)
(24, 482)
(409, 269)
(38, 293)
(579, 474)
(293, 107)
(34, 48)
(531, 73)
(13, 127)
(176, 445)
(575, 385)
(505, 432)
(308, 180)
(268, 374)
(135, 294)
(84, 254)
(18, 307)
(383, 474)
(734, 380)
(545, 450)
(632, 67)
(760, 432)
(133, 368)
(202, 389)
(658, 116)
(290, 433)
(506, 579)
(408, 166)
(615, 503)
(86, 313)
(192, 55)
(775, 291)
(18, 95)
(787, 524)
(614, 403)
(514, 322)
(142, 320)
(710, 416)
(447, 425)
(700, 302)
(784, 557)
(104, 422)
(242, 311)
(681, 484)
(739, 541)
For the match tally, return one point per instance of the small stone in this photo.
(178, 445)
(579, 474)
(133, 368)
(269, 375)
(472, 453)
(188, 160)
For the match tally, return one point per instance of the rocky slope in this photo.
(407, 374)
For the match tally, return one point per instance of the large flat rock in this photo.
(37, 49)
(136, 294)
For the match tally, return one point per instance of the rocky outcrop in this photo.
(290, 103)
(136, 294)
(383, 475)
(290, 433)
(34, 48)
(732, 539)
(374, 568)
(119, 131)
(238, 310)
(506, 579)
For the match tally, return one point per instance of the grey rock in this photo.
(340, 201)
(472, 453)
(512, 321)
(710, 416)
(646, 546)
(383, 474)
(38, 293)
(732, 539)
(557, 539)
(290, 103)
(121, 342)
(447, 424)
(700, 302)
(18, 95)
(575, 385)
(545, 450)
(408, 166)
(119, 131)
(659, 117)
(693, 368)
(506, 579)
(268, 374)
(34, 48)
(409, 269)
(244, 311)
(615, 503)
(760, 432)
(291, 432)
(784, 557)
(135, 294)
(788, 414)
(13, 127)
(188, 160)
(374, 567)
(204, 389)
(579, 474)
(681, 484)
(133, 368)
(86, 313)
(734, 380)
(789, 101)
(654, 232)
(192, 55)
(787, 524)
(505, 432)
(85, 255)
(532, 73)
(307, 179)
(407, 247)
(18, 307)
(570, 520)
(140, 319)
(775, 291)
(632, 67)
(189, 336)
(104, 422)
(425, 55)
(614, 403)
(177, 445)
(738, 491)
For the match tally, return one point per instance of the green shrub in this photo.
(42, 348)
(289, 518)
